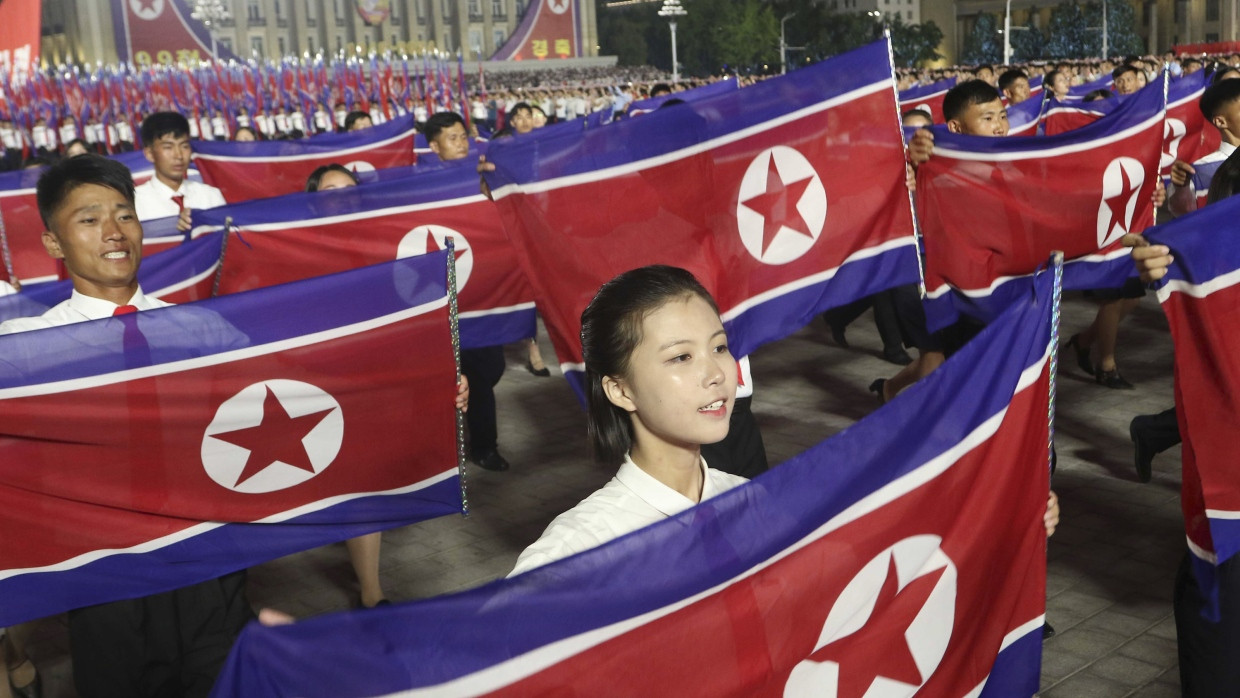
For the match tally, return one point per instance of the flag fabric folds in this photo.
(993, 209)
(642, 106)
(144, 452)
(902, 564)
(927, 97)
(303, 235)
(785, 199)
(1201, 298)
(244, 171)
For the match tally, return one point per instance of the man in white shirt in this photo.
(174, 642)
(165, 142)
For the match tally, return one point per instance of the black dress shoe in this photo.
(540, 372)
(491, 461)
(1047, 631)
(1143, 454)
(877, 388)
(1112, 379)
(1082, 355)
(898, 357)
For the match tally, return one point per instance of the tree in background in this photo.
(984, 44)
(915, 43)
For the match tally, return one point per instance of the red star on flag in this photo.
(1119, 203)
(880, 648)
(147, 5)
(432, 245)
(778, 205)
(278, 438)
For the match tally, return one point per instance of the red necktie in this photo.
(179, 200)
(137, 353)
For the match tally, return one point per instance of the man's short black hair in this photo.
(1218, 96)
(353, 117)
(163, 123)
(1125, 68)
(661, 88)
(440, 121)
(1009, 77)
(982, 67)
(965, 95)
(1218, 71)
(1098, 94)
(68, 174)
(520, 106)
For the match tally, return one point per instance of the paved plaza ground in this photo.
(1112, 562)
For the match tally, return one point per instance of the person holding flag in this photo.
(165, 138)
(660, 382)
(175, 640)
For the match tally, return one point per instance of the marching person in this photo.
(174, 642)
(165, 138)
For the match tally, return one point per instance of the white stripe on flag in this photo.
(199, 529)
(343, 218)
(102, 379)
(632, 167)
(983, 292)
(1199, 290)
(305, 156)
(1035, 153)
(185, 283)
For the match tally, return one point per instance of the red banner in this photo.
(159, 31)
(19, 34)
(549, 30)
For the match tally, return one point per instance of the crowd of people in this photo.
(661, 383)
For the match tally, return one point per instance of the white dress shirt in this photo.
(154, 198)
(631, 500)
(79, 308)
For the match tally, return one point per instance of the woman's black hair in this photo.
(312, 182)
(610, 332)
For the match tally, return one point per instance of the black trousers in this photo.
(160, 646)
(742, 451)
(884, 319)
(1209, 652)
(483, 367)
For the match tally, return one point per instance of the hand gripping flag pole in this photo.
(454, 323)
(912, 207)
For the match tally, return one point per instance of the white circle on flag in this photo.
(431, 238)
(559, 7)
(359, 166)
(1173, 133)
(1121, 185)
(147, 9)
(928, 633)
(781, 206)
(295, 427)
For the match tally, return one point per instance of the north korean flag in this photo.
(1023, 118)
(179, 274)
(1202, 301)
(993, 209)
(260, 169)
(866, 565)
(1188, 134)
(927, 97)
(144, 452)
(784, 199)
(298, 236)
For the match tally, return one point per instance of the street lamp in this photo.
(673, 9)
(210, 12)
(783, 45)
